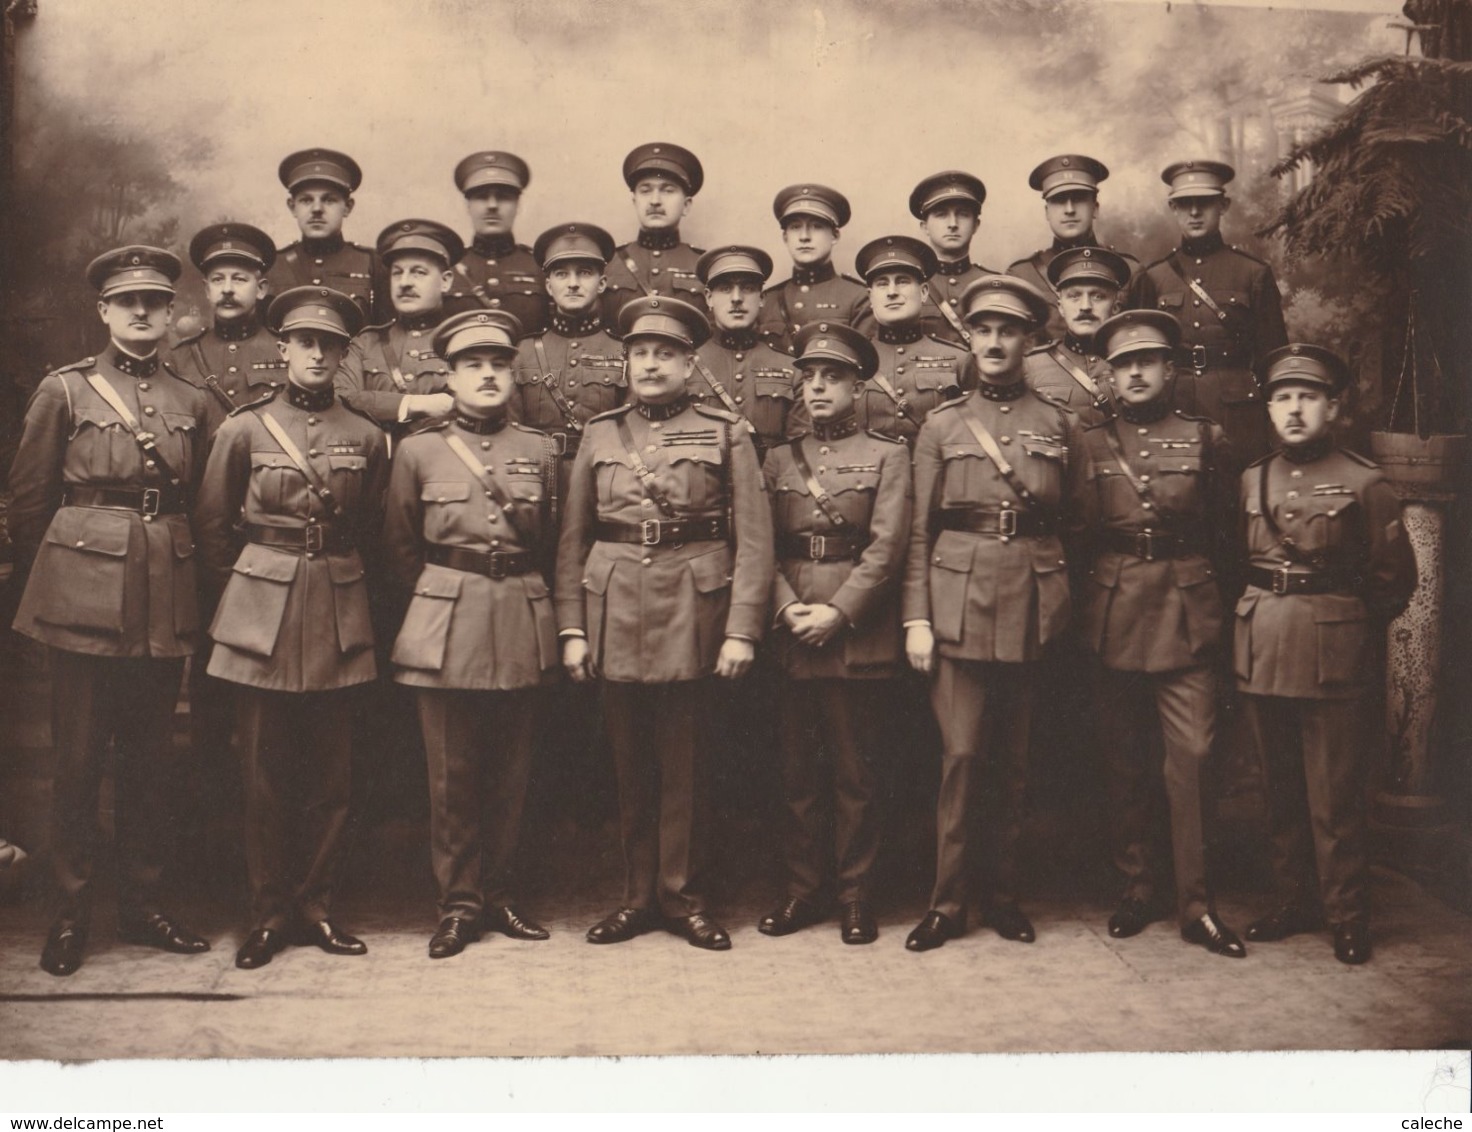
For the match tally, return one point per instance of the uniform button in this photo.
(651, 448)
(740, 357)
(232, 347)
(313, 452)
(495, 541)
(231, 390)
(899, 369)
(143, 387)
(495, 302)
(232, 369)
(1296, 473)
(1195, 302)
(486, 445)
(1006, 408)
(1144, 479)
(573, 345)
(1198, 264)
(1143, 431)
(1005, 439)
(318, 282)
(1293, 495)
(1006, 538)
(656, 253)
(439, 499)
(654, 271)
(318, 262)
(1144, 455)
(798, 304)
(656, 424)
(415, 334)
(1289, 514)
(1333, 512)
(817, 514)
(804, 288)
(493, 282)
(1148, 506)
(572, 383)
(311, 420)
(83, 542)
(573, 362)
(821, 469)
(737, 398)
(1197, 325)
(823, 451)
(646, 503)
(148, 410)
(493, 517)
(899, 350)
(149, 464)
(646, 560)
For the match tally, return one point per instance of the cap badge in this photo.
(322, 311)
(482, 318)
(1087, 253)
(1295, 349)
(822, 343)
(227, 246)
(1066, 162)
(823, 327)
(137, 274)
(407, 226)
(136, 259)
(654, 302)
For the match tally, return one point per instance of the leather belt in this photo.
(566, 443)
(1151, 544)
(314, 538)
(1280, 581)
(826, 547)
(1005, 523)
(164, 500)
(493, 563)
(1203, 357)
(664, 532)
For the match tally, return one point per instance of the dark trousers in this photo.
(1179, 706)
(129, 702)
(832, 718)
(1313, 775)
(658, 736)
(479, 751)
(296, 753)
(984, 711)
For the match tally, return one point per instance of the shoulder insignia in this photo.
(85, 363)
(775, 288)
(1263, 461)
(360, 247)
(1043, 349)
(382, 327)
(190, 338)
(264, 399)
(1245, 254)
(886, 438)
(290, 253)
(526, 428)
(697, 251)
(954, 402)
(1185, 416)
(1158, 262)
(949, 343)
(524, 248)
(853, 279)
(1016, 263)
(609, 414)
(167, 366)
(1364, 461)
(715, 413)
(1124, 255)
(429, 424)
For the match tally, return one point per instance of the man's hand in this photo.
(793, 613)
(429, 404)
(736, 657)
(575, 659)
(818, 625)
(920, 647)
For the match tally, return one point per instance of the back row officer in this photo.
(812, 219)
(664, 179)
(948, 206)
(496, 273)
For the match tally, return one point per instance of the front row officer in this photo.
(110, 454)
(305, 475)
(1329, 564)
(1159, 499)
(664, 569)
(469, 525)
(986, 587)
(841, 511)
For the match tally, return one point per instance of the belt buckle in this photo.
(559, 443)
(817, 547)
(1280, 579)
(1145, 545)
(1006, 522)
(314, 538)
(1198, 358)
(495, 565)
(152, 499)
(649, 533)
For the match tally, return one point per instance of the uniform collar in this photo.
(662, 412)
(424, 320)
(1073, 342)
(1009, 392)
(659, 239)
(131, 364)
(482, 426)
(583, 326)
(236, 329)
(809, 275)
(954, 267)
(1204, 246)
(330, 245)
(1308, 453)
(494, 247)
(744, 339)
(902, 334)
(1147, 413)
(836, 430)
(312, 400)
(1087, 240)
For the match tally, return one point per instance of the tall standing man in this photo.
(1226, 300)
(109, 457)
(812, 219)
(948, 206)
(320, 184)
(986, 588)
(664, 573)
(664, 180)
(496, 273)
(1329, 564)
(1070, 370)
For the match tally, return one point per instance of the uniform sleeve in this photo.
(370, 519)
(221, 497)
(751, 575)
(1142, 294)
(1390, 579)
(915, 597)
(783, 594)
(403, 521)
(579, 514)
(35, 474)
(883, 561)
(352, 381)
(1268, 330)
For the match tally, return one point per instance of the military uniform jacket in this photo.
(760, 380)
(924, 372)
(658, 614)
(653, 265)
(337, 263)
(813, 294)
(385, 363)
(585, 366)
(107, 582)
(468, 630)
(231, 369)
(867, 480)
(1053, 370)
(500, 275)
(289, 621)
(1162, 614)
(1341, 515)
(987, 597)
(947, 286)
(1035, 270)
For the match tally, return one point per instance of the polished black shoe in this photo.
(794, 915)
(157, 930)
(509, 922)
(1282, 922)
(1130, 918)
(259, 947)
(62, 954)
(1352, 943)
(1209, 932)
(452, 937)
(933, 931)
(623, 925)
(858, 925)
(331, 939)
(700, 931)
(1008, 922)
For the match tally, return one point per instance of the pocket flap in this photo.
(86, 529)
(1192, 571)
(712, 572)
(439, 583)
(695, 454)
(1106, 571)
(265, 563)
(343, 569)
(597, 571)
(952, 556)
(271, 460)
(98, 418)
(960, 451)
(445, 492)
(856, 481)
(1047, 557)
(183, 540)
(347, 463)
(534, 585)
(180, 422)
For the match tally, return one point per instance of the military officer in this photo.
(1070, 187)
(320, 184)
(293, 488)
(391, 370)
(497, 273)
(109, 457)
(736, 369)
(1070, 370)
(1329, 563)
(575, 370)
(841, 514)
(664, 180)
(664, 571)
(812, 218)
(986, 587)
(1160, 493)
(948, 206)
(916, 372)
(234, 359)
(469, 528)
(1227, 301)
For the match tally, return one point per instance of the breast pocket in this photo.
(1329, 523)
(611, 474)
(426, 629)
(277, 482)
(601, 385)
(345, 474)
(82, 570)
(181, 429)
(442, 503)
(106, 447)
(968, 477)
(696, 477)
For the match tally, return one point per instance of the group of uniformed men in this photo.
(634, 464)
